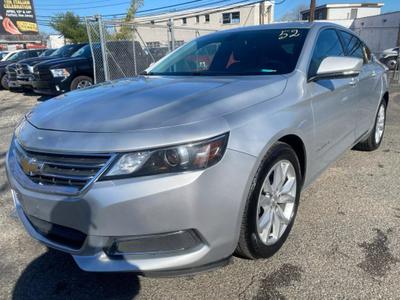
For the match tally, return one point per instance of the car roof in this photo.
(287, 25)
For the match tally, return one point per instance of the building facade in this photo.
(379, 32)
(189, 24)
(349, 11)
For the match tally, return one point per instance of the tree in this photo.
(294, 14)
(125, 31)
(70, 26)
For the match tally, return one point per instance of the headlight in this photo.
(59, 72)
(30, 68)
(187, 157)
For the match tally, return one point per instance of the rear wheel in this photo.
(272, 204)
(374, 139)
(81, 82)
(4, 82)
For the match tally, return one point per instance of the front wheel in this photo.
(4, 82)
(81, 82)
(391, 63)
(272, 204)
(374, 139)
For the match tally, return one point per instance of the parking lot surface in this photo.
(345, 242)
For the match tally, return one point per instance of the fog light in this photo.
(157, 243)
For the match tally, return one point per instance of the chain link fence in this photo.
(121, 49)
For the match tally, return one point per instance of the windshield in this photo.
(17, 56)
(47, 52)
(255, 52)
(8, 55)
(66, 51)
(84, 51)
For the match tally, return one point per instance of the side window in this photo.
(328, 44)
(354, 46)
(24, 55)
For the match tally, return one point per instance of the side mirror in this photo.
(338, 67)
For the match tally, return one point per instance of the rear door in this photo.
(333, 102)
(368, 86)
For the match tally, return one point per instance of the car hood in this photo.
(12, 66)
(35, 60)
(4, 64)
(59, 62)
(148, 103)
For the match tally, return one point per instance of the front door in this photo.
(333, 102)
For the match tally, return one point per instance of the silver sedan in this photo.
(203, 156)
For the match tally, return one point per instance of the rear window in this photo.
(355, 47)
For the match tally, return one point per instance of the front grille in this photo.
(48, 169)
(41, 74)
(62, 235)
(12, 74)
(22, 69)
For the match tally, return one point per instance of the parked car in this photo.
(173, 171)
(17, 56)
(3, 54)
(58, 76)
(18, 74)
(7, 55)
(389, 57)
(25, 76)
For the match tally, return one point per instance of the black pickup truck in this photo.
(58, 76)
(17, 56)
(21, 73)
(14, 70)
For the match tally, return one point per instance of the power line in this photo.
(88, 7)
(245, 2)
(160, 8)
(80, 3)
(123, 3)
(188, 8)
(212, 8)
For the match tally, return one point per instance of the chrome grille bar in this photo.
(61, 170)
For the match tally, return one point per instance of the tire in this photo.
(4, 82)
(391, 63)
(252, 244)
(78, 81)
(372, 142)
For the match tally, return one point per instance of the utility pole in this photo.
(312, 11)
(262, 8)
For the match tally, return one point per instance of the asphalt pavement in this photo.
(345, 243)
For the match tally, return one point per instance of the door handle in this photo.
(353, 82)
(373, 74)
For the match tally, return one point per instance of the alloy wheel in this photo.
(391, 64)
(83, 84)
(380, 124)
(276, 202)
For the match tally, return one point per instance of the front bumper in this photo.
(209, 203)
(53, 86)
(25, 81)
(13, 84)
